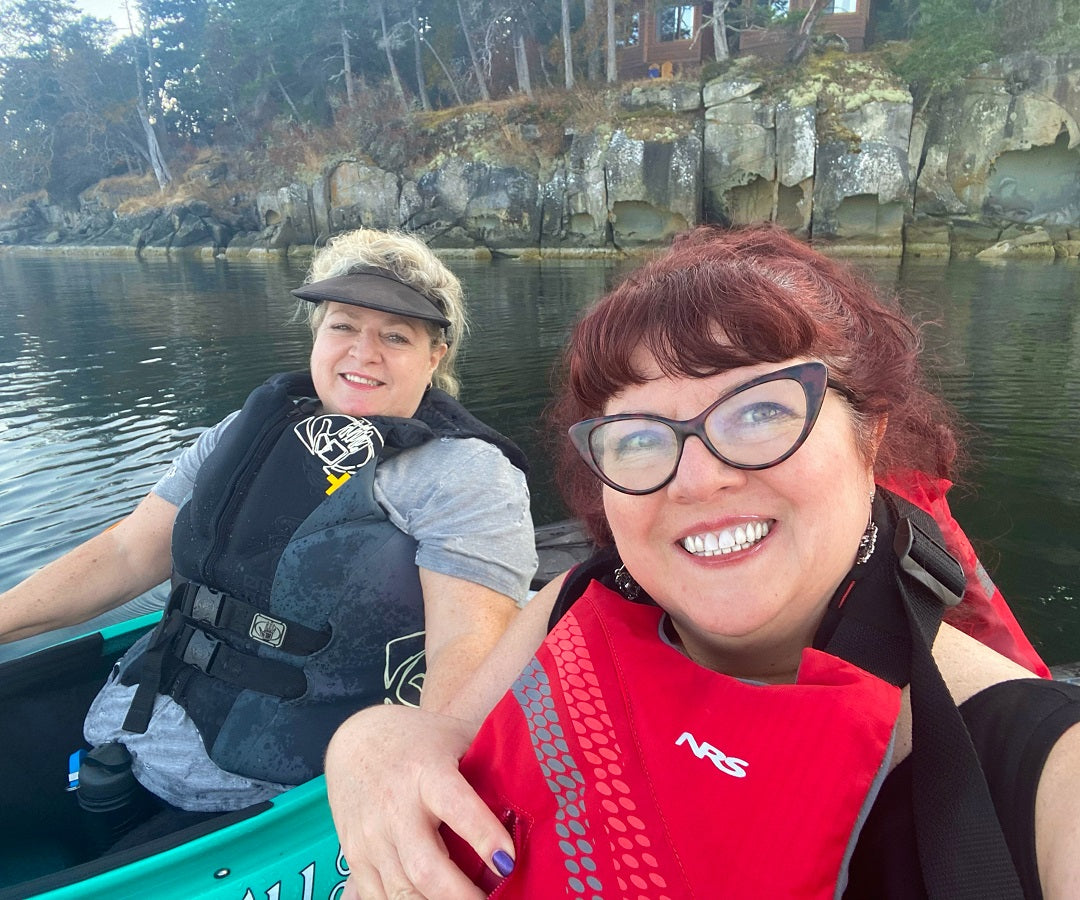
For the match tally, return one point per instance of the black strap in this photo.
(151, 666)
(197, 648)
(962, 849)
(180, 636)
(205, 606)
(600, 566)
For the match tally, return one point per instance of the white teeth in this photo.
(713, 543)
(356, 379)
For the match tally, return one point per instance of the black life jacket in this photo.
(296, 601)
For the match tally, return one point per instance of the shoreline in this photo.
(1070, 250)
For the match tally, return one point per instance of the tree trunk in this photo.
(568, 53)
(802, 36)
(418, 58)
(395, 76)
(521, 64)
(346, 56)
(445, 71)
(481, 81)
(721, 50)
(612, 52)
(284, 92)
(592, 42)
(153, 148)
(161, 170)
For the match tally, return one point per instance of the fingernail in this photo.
(504, 862)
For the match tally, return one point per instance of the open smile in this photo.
(360, 379)
(729, 540)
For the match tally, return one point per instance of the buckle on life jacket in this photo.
(214, 609)
(238, 668)
(204, 605)
(199, 650)
(929, 563)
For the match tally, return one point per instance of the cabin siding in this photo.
(667, 56)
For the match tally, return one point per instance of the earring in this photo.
(868, 541)
(624, 581)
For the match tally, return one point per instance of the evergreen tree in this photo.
(62, 107)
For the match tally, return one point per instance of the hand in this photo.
(392, 778)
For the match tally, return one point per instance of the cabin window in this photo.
(675, 23)
(631, 32)
(840, 6)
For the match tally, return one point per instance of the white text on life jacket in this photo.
(729, 765)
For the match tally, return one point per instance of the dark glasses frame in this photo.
(813, 377)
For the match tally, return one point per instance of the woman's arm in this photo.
(1057, 819)
(106, 571)
(392, 778)
(462, 622)
(968, 668)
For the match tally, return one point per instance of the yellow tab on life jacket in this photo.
(336, 481)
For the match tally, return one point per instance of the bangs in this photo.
(694, 322)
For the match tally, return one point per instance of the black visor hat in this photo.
(374, 288)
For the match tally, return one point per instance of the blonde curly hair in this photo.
(412, 261)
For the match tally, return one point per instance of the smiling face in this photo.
(369, 363)
(791, 531)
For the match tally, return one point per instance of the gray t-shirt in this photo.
(463, 502)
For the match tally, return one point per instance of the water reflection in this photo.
(1006, 353)
(108, 366)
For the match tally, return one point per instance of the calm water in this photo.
(108, 366)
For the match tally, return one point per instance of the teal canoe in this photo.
(281, 849)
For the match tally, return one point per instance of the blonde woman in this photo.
(348, 537)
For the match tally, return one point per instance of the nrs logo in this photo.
(729, 765)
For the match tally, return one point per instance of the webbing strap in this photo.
(962, 849)
(138, 715)
(243, 670)
(205, 606)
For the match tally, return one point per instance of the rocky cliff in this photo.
(837, 153)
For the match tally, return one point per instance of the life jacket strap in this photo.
(213, 609)
(927, 561)
(961, 846)
(244, 670)
(152, 664)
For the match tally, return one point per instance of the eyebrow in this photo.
(356, 312)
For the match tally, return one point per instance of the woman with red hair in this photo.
(748, 691)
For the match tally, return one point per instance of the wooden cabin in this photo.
(660, 38)
(847, 18)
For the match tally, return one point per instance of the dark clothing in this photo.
(1014, 726)
(324, 612)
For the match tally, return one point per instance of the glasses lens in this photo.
(758, 426)
(637, 454)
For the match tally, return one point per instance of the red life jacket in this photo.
(623, 769)
(647, 789)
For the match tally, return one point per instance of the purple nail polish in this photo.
(504, 863)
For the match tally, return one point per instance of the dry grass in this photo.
(18, 204)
